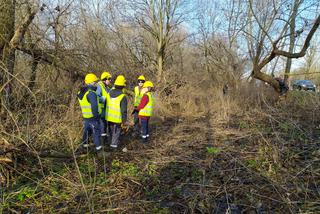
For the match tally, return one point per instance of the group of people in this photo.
(104, 109)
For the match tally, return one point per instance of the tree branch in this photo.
(305, 45)
(21, 30)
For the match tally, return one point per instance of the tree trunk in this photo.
(160, 67)
(206, 58)
(160, 58)
(292, 38)
(266, 78)
(7, 55)
(33, 76)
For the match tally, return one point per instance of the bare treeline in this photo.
(172, 41)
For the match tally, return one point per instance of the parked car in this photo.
(306, 85)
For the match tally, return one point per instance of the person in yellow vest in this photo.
(91, 111)
(116, 114)
(126, 91)
(103, 88)
(145, 109)
(137, 98)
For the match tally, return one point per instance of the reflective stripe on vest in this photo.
(113, 110)
(137, 96)
(86, 106)
(148, 109)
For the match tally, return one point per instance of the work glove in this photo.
(134, 111)
(125, 126)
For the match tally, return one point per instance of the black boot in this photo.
(144, 140)
(104, 140)
(82, 149)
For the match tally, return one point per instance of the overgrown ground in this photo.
(230, 157)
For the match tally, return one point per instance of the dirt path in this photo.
(201, 167)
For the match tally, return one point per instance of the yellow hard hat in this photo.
(120, 81)
(141, 77)
(90, 78)
(148, 84)
(105, 75)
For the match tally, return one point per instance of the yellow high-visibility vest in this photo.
(148, 109)
(137, 96)
(113, 110)
(103, 93)
(86, 105)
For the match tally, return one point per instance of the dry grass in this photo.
(209, 153)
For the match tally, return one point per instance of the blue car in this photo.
(306, 85)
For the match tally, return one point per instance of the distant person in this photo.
(137, 98)
(103, 88)
(145, 109)
(91, 111)
(225, 89)
(282, 85)
(116, 110)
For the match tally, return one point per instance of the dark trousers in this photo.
(136, 127)
(91, 126)
(114, 130)
(103, 126)
(144, 127)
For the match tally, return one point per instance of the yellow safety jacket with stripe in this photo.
(148, 109)
(86, 105)
(137, 96)
(113, 110)
(103, 93)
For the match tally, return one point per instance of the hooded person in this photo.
(91, 111)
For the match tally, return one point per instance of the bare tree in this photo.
(267, 35)
(10, 39)
(310, 61)
(7, 55)
(219, 57)
(234, 10)
(292, 27)
(206, 16)
(160, 18)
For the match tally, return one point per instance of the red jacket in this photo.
(144, 101)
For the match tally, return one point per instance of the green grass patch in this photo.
(252, 163)
(124, 168)
(213, 150)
